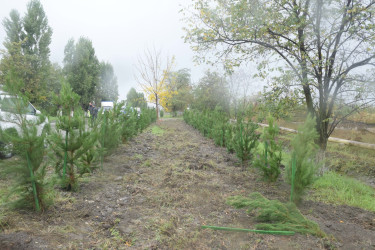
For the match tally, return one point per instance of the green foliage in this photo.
(135, 99)
(110, 128)
(71, 140)
(240, 138)
(279, 102)
(27, 50)
(146, 117)
(182, 85)
(340, 190)
(30, 189)
(230, 128)
(274, 215)
(156, 130)
(88, 161)
(237, 32)
(219, 128)
(304, 150)
(210, 92)
(82, 70)
(129, 124)
(245, 138)
(269, 160)
(161, 113)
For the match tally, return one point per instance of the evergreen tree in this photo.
(245, 138)
(269, 160)
(71, 140)
(28, 139)
(304, 155)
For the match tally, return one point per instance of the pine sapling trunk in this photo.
(36, 199)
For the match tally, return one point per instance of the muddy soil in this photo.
(156, 191)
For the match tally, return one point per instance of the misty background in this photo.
(119, 31)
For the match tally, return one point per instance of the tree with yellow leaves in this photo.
(153, 77)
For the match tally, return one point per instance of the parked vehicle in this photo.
(106, 105)
(11, 115)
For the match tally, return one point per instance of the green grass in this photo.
(340, 190)
(52, 118)
(156, 130)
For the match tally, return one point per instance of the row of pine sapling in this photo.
(262, 150)
(75, 146)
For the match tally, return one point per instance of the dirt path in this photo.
(156, 191)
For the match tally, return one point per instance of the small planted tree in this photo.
(110, 128)
(302, 168)
(245, 138)
(71, 140)
(29, 168)
(219, 126)
(269, 160)
(129, 124)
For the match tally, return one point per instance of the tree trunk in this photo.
(157, 106)
(322, 128)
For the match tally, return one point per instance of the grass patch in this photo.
(156, 130)
(52, 118)
(340, 190)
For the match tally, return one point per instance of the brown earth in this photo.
(157, 191)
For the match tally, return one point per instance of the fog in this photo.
(119, 30)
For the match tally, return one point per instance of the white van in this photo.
(107, 105)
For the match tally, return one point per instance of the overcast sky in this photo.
(119, 30)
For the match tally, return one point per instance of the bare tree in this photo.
(152, 75)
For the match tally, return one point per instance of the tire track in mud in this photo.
(156, 191)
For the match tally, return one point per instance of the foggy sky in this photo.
(119, 30)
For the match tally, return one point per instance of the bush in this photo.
(269, 160)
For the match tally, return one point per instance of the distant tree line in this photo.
(25, 62)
